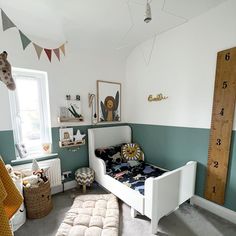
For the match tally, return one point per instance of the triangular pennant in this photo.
(6, 22)
(24, 40)
(38, 50)
(62, 48)
(49, 53)
(57, 53)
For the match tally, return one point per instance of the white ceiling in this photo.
(111, 24)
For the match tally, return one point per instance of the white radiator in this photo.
(53, 173)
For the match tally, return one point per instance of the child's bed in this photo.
(160, 196)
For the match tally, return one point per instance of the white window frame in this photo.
(44, 107)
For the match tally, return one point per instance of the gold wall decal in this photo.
(158, 97)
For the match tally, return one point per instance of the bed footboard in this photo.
(165, 193)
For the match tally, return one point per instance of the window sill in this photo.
(30, 158)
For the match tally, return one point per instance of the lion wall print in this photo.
(109, 101)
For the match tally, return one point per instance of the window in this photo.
(30, 110)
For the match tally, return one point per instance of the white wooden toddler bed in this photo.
(162, 194)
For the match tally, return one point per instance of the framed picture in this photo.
(66, 134)
(21, 149)
(108, 101)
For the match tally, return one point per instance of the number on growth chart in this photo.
(216, 164)
(227, 57)
(225, 85)
(218, 142)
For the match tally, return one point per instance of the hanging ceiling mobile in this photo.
(148, 13)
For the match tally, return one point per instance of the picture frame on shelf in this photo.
(109, 101)
(66, 134)
(64, 113)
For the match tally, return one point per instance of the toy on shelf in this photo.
(79, 136)
(71, 140)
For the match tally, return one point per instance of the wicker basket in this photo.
(38, 201)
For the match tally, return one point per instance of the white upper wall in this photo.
(182, 67)
(75, 74)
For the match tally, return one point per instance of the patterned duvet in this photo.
(134, 176)
(131, 173)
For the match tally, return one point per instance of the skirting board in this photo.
(214, 208)
(67, 185)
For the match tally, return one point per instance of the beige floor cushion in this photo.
(92, 215)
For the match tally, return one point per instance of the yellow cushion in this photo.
(132, 151)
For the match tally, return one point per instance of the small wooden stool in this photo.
(84, 176)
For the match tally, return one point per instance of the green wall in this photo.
(171, 147)
(7, 150)
(166, 146)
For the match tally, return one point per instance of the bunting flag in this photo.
(62, 48)
(57, 53)
(7, 24)
(24, 40)
(49, 53)
(38, 50)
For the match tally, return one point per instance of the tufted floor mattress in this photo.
(91, 215)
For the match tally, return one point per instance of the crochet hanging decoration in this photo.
(132, 151)
(5, 72)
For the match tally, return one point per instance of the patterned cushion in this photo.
(91, 215)
(132, 151)
(110, 155)
(84, 176)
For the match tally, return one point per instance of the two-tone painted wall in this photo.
(182, 67)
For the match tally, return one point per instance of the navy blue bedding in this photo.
(134, 177)
(131, 173)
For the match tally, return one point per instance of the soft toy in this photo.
(35, 179)
(5, 72)
(11, 172)
(26, 172)
(32, 180)
(35, 166)
(41, 175)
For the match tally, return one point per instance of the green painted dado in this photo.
(171, 147)
(165, 146)
(7, 150)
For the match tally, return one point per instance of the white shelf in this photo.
(71, 144)
(70, 119)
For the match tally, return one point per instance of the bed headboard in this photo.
(105, 137)
(108, 136)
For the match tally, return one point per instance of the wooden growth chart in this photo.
(221, 126)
